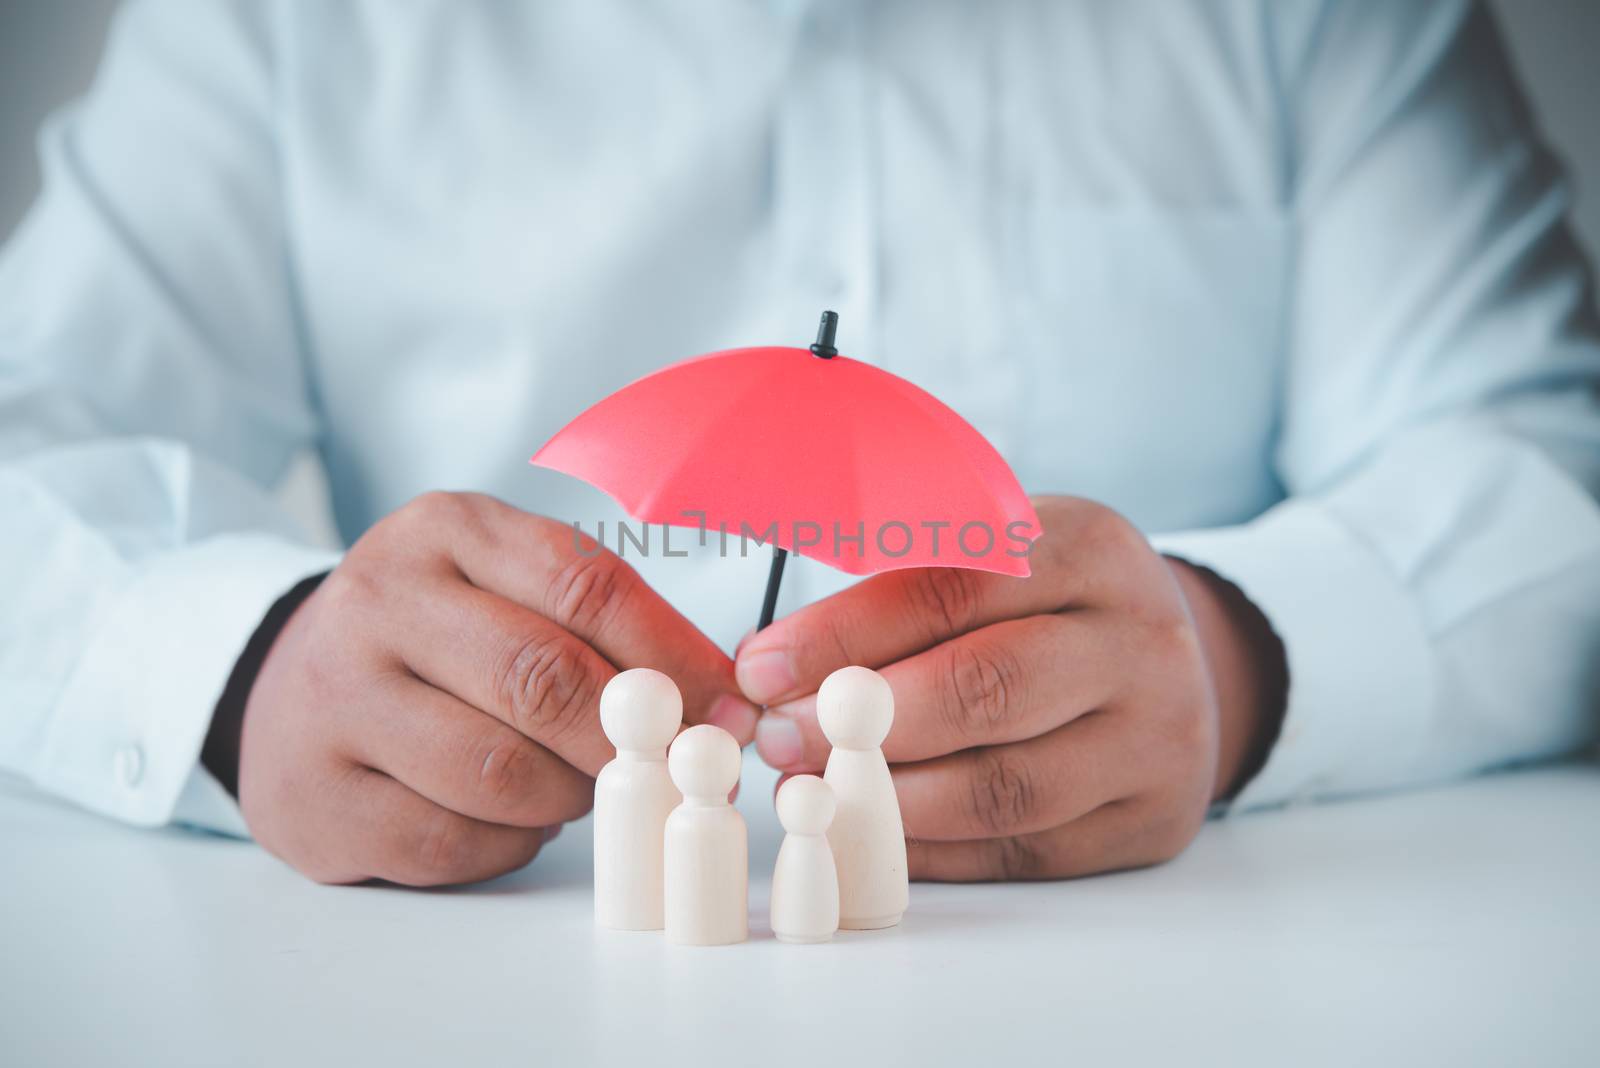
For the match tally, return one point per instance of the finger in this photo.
(875, 622)
(1113, 837)
(895, 615)
(467, 761)
(568, 578)
(526, 671)
(390, 832)
(1020, 788)
(1002, 683)
(789, 739)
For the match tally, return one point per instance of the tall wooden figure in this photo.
(805, 883)
(706, 850)
(640, 711)
(855, 708)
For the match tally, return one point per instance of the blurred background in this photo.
(49, 48)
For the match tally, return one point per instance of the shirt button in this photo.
(129, 765)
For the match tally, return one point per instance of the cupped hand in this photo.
(1079, 720)
(430, 714)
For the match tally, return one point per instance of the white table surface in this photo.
(1452, 926)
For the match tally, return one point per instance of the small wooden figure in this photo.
(805, 884)
(855, 709)
(640, 711)
(706, 848)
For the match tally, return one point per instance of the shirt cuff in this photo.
(1360, 678)
(204, 803)
(126, 735)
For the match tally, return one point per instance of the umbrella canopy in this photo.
(822, 455)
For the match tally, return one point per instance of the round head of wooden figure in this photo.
(855, 708)
(805, 805)
(640, 711)
(704, 763)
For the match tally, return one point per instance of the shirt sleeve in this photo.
(1434, 572)
(152, 392)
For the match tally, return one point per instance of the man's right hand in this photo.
(431, 713)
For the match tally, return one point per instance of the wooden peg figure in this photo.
(805, 884)
(706, 849)
(640, 711)
(855, 709)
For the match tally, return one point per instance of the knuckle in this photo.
(1168, 834)
(433, 507)
(588, 592)
(424, 525)
(1167, 845)
(442, 850)
(1056, 515)
(1020, 858)
(286, 809)
(438, 517)
(830, 637)
(564, 804)
(1179, 838)
(1051, 507)
(504, 770)
(1003, 795)
(545, 687)
(350, 588)
(980, 684)
(949, 597)
(1173, 638)
(1109, 531)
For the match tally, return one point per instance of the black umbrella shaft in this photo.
(769, 603)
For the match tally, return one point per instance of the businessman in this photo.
(1271, 302)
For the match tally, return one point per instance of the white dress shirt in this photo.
(1287, 283)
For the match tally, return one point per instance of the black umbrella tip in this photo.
(827, 330)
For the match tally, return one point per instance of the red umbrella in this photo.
(822, 455)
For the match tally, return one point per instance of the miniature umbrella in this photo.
(822, 455)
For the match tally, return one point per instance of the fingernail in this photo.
(778, 741)
(735, 715)
(763, 676)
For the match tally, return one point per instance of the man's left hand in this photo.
(1076, 721)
